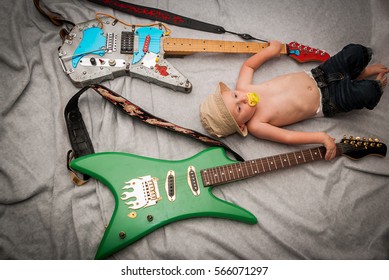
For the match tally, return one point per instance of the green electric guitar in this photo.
(150, 193)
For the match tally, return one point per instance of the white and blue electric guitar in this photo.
(93, 52)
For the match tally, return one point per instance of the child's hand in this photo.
(329, 144)
(276, 47)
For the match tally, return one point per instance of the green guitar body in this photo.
(170, 199)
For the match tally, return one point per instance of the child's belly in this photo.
(288, 99)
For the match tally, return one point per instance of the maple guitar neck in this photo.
(183, 46)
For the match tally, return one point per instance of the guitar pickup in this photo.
(192, 181)
(170, 185)
(127, 42)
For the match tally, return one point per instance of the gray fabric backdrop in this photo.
(324, 210)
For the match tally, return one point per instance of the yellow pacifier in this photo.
(252, 98)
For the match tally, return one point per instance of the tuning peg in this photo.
(357, 138)
(364, 138)
(371, 139)
(377, 140)
(372, 144)
(351, 137)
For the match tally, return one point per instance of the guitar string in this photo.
(272, 162)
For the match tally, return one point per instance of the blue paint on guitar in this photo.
(93, 42)
(154, 45)
(295, 52)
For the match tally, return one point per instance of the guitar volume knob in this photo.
(112, 62)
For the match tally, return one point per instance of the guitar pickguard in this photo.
(91, 54)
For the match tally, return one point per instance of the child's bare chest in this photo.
(287, 99)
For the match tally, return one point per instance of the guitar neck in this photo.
(242, 170)
(183, 46)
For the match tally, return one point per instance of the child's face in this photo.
(237, 103)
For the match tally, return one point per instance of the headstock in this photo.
(358, 147)
(303, 53)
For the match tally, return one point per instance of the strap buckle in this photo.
(73, 175)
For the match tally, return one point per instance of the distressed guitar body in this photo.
(150, 193)
(91, 54)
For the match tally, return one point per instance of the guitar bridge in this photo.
(141, 192)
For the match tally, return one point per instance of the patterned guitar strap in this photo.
(79, 137)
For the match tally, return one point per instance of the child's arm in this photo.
(273, 133)
(254, 62)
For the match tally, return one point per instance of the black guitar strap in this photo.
(144, 12)
(164, 16)
(79, 137)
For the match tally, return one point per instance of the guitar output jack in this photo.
(122, 235)
(150, 218)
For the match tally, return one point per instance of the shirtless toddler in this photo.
(337, 85)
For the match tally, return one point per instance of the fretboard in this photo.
(242, 170)
(182, 46)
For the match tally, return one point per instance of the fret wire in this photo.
(246, 165)
(295, 158)
(273, 162)
(299, 157)
(268, 165)
(306, 155)
(233, 174)
(259, 170)
(220, 168)
(241, 170)
(205, 174)
(303, 156)
(263, 167)
(251, 167)
(219, 175)
(254, 166)
(287, 156)
(282, 163)
(320, 151)
(311, 154)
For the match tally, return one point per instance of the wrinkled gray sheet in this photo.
(323, 210)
